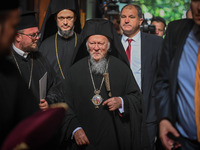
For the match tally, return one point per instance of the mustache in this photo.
(97, 53)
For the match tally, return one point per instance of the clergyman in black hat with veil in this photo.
(102, 92)
(60, 33)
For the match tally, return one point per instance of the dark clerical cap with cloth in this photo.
(49, 26)
(98, 26)
(27, 20)
(9, 5)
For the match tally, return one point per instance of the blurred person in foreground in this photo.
(16, 102)
(102, 92)
(189, 14)
(177, 85)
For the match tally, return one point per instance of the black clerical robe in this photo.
(16, 101)
(65, 51)
(105, 130)
(40, 67)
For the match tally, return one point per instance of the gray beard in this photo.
(98, 67)
(66, 34)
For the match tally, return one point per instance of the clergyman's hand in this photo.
(166, 128)
(43, 104)
(113, 103)
(81, 138)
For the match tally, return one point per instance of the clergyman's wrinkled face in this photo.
(98, 46)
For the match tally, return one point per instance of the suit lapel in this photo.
(178, 48)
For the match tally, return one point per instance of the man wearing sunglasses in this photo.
(32, 66)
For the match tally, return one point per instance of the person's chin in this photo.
(96, 58)
(65, 29)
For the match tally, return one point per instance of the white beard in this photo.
(98, 67)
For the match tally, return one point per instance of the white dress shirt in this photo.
(20, 52)
(135, 55)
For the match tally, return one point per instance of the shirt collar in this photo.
(20, 52)
(135, 38)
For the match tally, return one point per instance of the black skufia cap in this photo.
(9, 5)
(98, 26)
(27, 20)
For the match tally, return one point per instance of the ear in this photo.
(18, 37)
(55, 17)
(141, 20)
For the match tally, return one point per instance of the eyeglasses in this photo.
(32, 36)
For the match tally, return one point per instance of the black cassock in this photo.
(40, 67)
(105, 130)
(16, 101)
(65, 51)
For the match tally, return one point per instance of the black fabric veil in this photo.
(104, 27)
(49, 26)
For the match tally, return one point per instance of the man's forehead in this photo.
(97, 37)
(33, 29)
(65, 12)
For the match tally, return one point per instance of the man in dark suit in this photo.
(143, 58)
(177, 81)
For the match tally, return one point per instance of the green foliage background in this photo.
(173, 9)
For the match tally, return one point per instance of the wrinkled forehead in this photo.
(98, 37)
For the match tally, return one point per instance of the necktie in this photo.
(128, 50)
(197, 96)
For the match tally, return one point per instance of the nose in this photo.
(65, 21)
(157, 32)
(96, 47)
(37, 37)
(127, 19)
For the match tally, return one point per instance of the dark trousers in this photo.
(187, 144)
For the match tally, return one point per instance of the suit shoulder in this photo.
(180, 21)
(179, 24)
(152, 39)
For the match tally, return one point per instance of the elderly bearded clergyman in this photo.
(102, 92)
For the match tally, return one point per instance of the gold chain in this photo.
(31, 73)
(56, 47)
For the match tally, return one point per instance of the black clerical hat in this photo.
(49, 26)
(9, 5)
(98, 26)
(27, 20)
